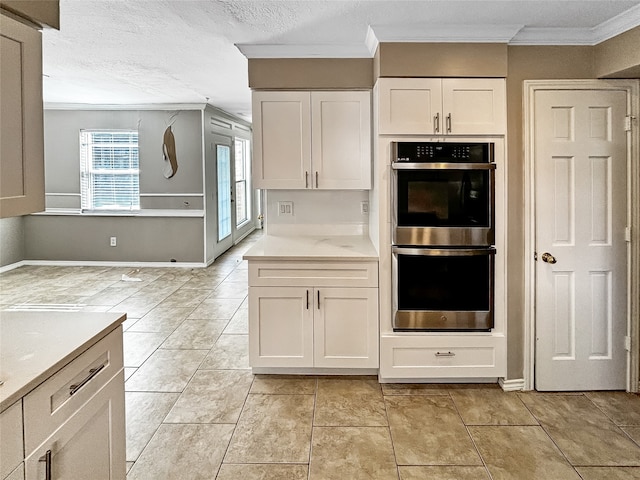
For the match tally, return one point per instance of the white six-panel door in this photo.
(581, 215)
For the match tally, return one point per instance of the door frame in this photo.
(633, 220)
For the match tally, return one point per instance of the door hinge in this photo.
(627, 343)
(627, 234)
(628, 122)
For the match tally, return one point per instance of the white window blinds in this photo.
(109, 170)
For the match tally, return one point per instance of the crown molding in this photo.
(449, 33)
(452, 33)
(619, 24)
(553, 36)
(146, 106)
(303, 51)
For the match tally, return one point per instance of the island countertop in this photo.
(305, 248)
(35, 345)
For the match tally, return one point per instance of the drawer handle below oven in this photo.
(445, 354)
(77, 386)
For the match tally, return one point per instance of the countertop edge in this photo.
(65, 360)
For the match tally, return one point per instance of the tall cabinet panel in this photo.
(282, 139)
(21, 130)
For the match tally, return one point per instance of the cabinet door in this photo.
(474, 106)
(282, 140)
(11, 453)
(22, 146)
(410, 106)
(90, 444)
(346, 327)
(341, 140)
(280, 326)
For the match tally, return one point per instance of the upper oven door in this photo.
(443, 204)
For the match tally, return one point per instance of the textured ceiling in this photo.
(183, 51)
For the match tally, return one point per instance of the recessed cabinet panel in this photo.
(280, 327)
(474, 105)
(345, 326)
(21, 124)
(282, 139)
(341, 140)
(409, 105)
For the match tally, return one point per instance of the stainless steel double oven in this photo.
(443, 236)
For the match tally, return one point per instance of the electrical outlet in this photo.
(285, 208)
(364, 208)
(113, 241)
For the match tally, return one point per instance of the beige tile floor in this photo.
(195, 411)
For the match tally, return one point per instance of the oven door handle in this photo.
(443, 252)
(442, 166)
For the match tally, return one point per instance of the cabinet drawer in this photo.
(11, 453)
(54, 401)
(442, 357)
(313, 274)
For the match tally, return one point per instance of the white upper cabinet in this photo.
(319, 140)
(21, 124)
(450, 106)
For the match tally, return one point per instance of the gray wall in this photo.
(139, 239)
(11, 240)
(142, 238)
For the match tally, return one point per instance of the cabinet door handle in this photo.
(306, 179)
(307, 299)
(73, 389)
(47, 464)
(436, 123)
(318, 299)
(316, 179)
(449, 123)
(445, 354)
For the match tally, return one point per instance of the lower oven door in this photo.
(436, 289)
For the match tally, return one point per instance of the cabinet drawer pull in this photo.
(436, 123)
(307, 299)
(445, 354)
(306, 179)
(47, 464)
(449, 123)
(316, 179)
(318, 299)
(77, 386)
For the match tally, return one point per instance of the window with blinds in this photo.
(109, 170)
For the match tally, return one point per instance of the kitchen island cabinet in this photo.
(63, 373)
(313, 304)
(312, 140)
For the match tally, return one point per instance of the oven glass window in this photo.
(439, 198)
(444, 283)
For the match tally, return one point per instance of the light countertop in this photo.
(305, 248)
(35, 345)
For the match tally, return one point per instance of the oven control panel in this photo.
(440, 152)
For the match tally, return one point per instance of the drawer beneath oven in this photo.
(442, 356)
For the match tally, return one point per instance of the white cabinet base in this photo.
(460, 357)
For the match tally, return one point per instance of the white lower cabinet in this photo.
(442, 356)
(318, 326)
(11, 453)
(87, 444)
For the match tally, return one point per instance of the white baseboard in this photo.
(65, 263)
(12, 266)
(512, 385)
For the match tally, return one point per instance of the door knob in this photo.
(548, 258)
